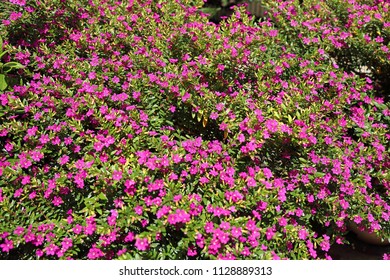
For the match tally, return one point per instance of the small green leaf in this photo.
(3, 53)
(3, 83)
(9, 66)
(102, 196)
(319, 175)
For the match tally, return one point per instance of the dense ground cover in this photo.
(140, 130)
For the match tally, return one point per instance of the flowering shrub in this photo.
(143, 131)
(356, 34)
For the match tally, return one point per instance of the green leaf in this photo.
(319, 175)
(3, 83)
(102, 196)
(9, 66)
(3, 53)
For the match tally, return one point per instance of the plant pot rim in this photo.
(368, 237)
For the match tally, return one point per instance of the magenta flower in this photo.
(273, 33)
(19, 230)
(64, 159)
(209, 227)
(191, 252)
(302, 234)
(269, 233)
(18, 192)
(39, 253)
(138, 210)
(267, 173)
(51, 250)
(98, 146)
(246, 251)
(272, 125)
(77, 229)
(221, 67)
(26, 180)
(225, 225)
(236, 232)
(57, 201)
(7, 245)
(95, 253)
(130, 237)
(44, 139)
(142, 244)
(18, 2)
(325, 245)
(66, 243)
(117, 175)
(14, 16)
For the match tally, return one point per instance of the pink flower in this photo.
(344, 204)
(66, 243)
(282, 222)
(269, 233)
(95, 253)
(117, 175)
(14, 16)
(251, 225)
(209, 227)
(225, 225)
(19, 230)
(39, 253)
(221, 67)
(272, 125)
(191, 251)
(98, 146)
(18, 192)
(44, 139)
(64, 159)
(51, 250)
(7, 245)
(267, 173)
(172, 109)
(18, 2)
(77, 229)
(130, 237)
(246, 251)
(325, 245)
(273, 33)
(26, 180)
(121, 252)
(142, 244)
(90, 228)
(138, 210)
(31, 195)
(57, 201)
(9, 147)
(302, 234)
(275, 256)
(236, 232)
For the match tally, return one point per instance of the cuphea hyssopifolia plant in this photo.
(181, 139)
(355, 34)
